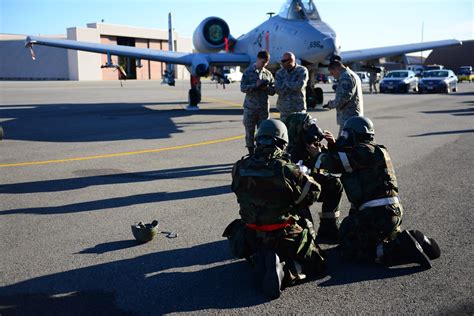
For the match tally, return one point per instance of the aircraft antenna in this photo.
(270, 14)
(422, 31)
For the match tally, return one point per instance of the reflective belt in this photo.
(329, 214)
(345, 161)
(271, 227)
(380, 202)
(306, 188)
(379, 253)
(317, 165)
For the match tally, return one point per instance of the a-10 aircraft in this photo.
(297, 28)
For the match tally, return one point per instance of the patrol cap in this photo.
(360, 125)
(271, 129)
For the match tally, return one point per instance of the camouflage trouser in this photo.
(296, 242)
(252, 119)
(374, 85)
(331, 194)
(362, 231)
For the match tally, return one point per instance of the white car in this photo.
(364, 76)
(399, 81)
(232, 75)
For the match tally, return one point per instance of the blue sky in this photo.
(358, 23)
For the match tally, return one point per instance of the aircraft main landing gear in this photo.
(194, 94)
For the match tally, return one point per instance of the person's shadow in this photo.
(156, 283)
(345, 272)
(162, 282)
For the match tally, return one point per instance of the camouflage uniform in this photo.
(256, 104)
(271, 191)
(369, 180)
(331, 187)
(348, 101)
(290, 85)
(373, 78)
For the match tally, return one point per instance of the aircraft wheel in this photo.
(1, 133)
(194, 97)
(314, 97)
(319, 95)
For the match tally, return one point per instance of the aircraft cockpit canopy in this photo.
(299, 10)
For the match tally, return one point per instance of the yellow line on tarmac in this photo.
(223, 101)
(272, 115)
(146, 151)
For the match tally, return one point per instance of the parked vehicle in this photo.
(433, 67)
(399, 81)
(364, 76)
(232, 74)
(465, 73)
(417, 69)
(438, 81)
(323, 78)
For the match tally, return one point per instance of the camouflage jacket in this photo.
(348, 101)
(291, 89)
(270, 188)
(367, 171)
(256, 98)
(296, 145)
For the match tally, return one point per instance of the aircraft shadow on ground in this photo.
(455, 112)
(461, 93)
(345, 272)
(112, 176)
(155, 283)
(117, 202)
(74, 122)
(464, 131)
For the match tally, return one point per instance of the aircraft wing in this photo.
(187, 59)
(373, 53)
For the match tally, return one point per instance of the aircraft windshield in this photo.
(401, 74)
(299, 10)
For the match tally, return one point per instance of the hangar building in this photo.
(60, 64)
(453, 57)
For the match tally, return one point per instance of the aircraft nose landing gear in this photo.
(314, 96)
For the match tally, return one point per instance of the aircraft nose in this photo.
(329, 46)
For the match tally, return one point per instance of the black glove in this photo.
(263, 83)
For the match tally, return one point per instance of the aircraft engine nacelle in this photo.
(199, 66)
(211, 34)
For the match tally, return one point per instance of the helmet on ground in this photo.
(272, 132)
(145, 232)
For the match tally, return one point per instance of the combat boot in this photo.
(293, 273)
(404, 249)
(329, 229)
(268, 263)
(251, 150)
(429, 245)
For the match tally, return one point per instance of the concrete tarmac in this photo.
(82, 161)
